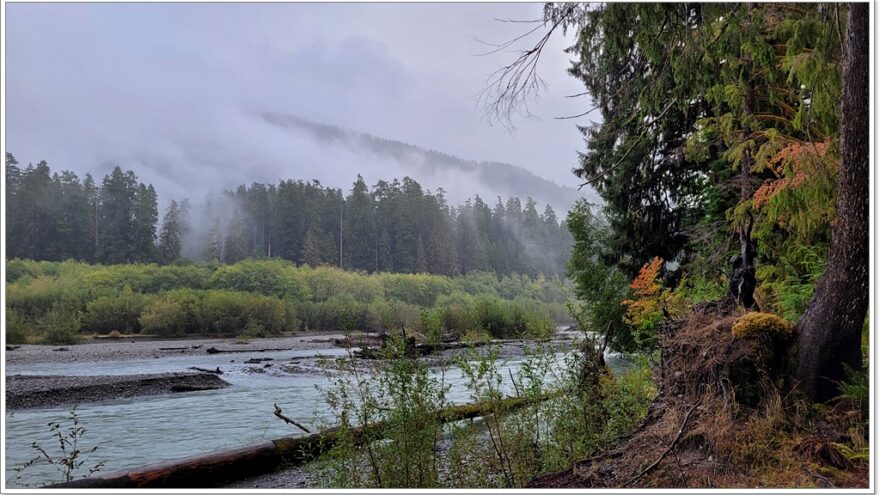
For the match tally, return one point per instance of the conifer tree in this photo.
(169, 236)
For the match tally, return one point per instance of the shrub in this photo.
(267, 277)
(16, 328)
(432, 324)
(61, 325)
(172, 314)
(122, 312)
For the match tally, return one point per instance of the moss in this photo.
(754, 323)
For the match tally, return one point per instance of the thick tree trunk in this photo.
(829, 332)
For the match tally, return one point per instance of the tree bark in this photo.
(829, 332)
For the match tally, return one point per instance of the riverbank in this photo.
(103, 350)
(23, 392)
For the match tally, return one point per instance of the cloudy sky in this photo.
(174, 91)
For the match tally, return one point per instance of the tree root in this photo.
(669, 449)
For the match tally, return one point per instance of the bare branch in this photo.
(509, 89)
(279, 414)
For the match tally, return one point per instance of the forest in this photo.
(395, 227)
(719, 292)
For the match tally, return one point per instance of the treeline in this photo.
(394, 226)
(58, 302)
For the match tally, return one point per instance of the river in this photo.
(134, 432)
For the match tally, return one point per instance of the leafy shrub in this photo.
(172, 314)
(120, 313)
(267, 277)
(16, 328)
(61, 325)
(432, 324)
(215, 311)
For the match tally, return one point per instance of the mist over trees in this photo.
(394, 226)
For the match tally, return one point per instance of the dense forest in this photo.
(396, 226)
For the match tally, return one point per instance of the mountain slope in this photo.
(502, 179)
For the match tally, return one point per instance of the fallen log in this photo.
(223, 467)
(425, 349)
(205, 370)
(182, 387)
(214, 350)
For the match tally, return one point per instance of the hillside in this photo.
(501, 179)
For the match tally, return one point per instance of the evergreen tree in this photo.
(146, 215)
(72, 225)
(93, 196)
(421, 262)
(360, 228)
(118, 241)
(169, 237)
(235, 247)
(214, 246)
(311, 250)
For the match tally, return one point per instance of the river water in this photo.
(134, 432)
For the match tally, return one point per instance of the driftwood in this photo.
(184, 348)
(219, 468)
(214, 350)
(205, 370)
(182, 387)
(12, 347)
(257, 360)
(425, 349)
(280, 415)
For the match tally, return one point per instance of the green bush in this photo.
(272, 296)
(337, 313)
(215, 311)
(172, 314)
(267, 277)
(61, 325)
(16, 328)
(122, 312)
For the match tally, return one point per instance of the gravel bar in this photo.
(25, 391)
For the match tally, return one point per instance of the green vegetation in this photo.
(562, 418)
(58, 302)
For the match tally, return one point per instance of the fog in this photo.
(179, 92)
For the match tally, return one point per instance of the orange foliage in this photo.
(795, 156)
(645, 310)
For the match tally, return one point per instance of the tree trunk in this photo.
(742, 281)
(829, 332)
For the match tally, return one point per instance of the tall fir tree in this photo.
(170, 235)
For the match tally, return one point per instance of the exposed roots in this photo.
(723, 418)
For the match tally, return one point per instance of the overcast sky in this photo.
(173, 91)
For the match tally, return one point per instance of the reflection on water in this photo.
(138, 431)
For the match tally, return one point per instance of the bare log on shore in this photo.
(214, 350)
(205, 370)
(220, 468)
(425, 349)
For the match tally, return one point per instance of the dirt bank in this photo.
(45, 391)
